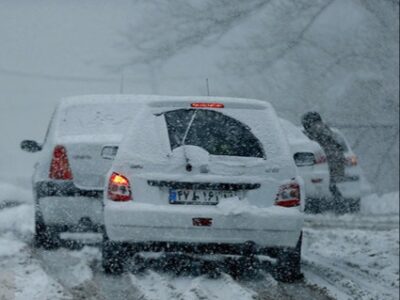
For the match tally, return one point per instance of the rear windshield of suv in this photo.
(213, 131)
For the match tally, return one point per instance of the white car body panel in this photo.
(141, 222)
(71, 210)
(84, 143)
(316, 177)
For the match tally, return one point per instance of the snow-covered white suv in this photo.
(312, 165)
(204, 174)
(76, 154)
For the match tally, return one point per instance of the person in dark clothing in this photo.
(320, 132)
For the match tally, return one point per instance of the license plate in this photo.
(202, 197)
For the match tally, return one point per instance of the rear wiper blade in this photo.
(188, 128)
(188, 165)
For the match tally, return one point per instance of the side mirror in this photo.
(303, 159)
(109, 152)
(30, 146)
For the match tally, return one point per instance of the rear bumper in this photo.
(350, 187)
(246, 249)
(64, 189)
(70, 211)
(317, 185)
(144, 223)
(67, 207)
(317, 189)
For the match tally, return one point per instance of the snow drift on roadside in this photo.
(18, 220)
(154, 286)
(353, 263)
(379, 205)
(10, 193)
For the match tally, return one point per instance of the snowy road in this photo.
(347, 257)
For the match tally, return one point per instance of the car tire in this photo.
(288, 266)
(114, 254)
(45, 236)
(347, 205)
(312, 206)
(354, 205)
(341, 205)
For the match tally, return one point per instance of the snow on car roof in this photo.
(87, 115)
(297, 139)
(158, 100)
(292, 131)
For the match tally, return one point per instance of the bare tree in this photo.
(177, 25)
(299, 54)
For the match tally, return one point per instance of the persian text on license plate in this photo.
(204, 197)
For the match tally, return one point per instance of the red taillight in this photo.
(119, 188)
(207, 105)
(320, 158)
(351, 161)
(288, 195)
(59, 167)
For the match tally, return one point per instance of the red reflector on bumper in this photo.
(288, 203)
(202, 221)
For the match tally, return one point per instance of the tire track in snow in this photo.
(71, 270)
(346, 282)
(354, 257)
(21, 273)
(268, 288)
(22, 277)
(159, 286)
(115, 287)
(80, 273)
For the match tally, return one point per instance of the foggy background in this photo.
(339, 57)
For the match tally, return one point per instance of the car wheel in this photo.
(312, 206)
(45, 236)
(354, 205)
(347, 205)
(288, 267)
(341, 205)
(114, 254)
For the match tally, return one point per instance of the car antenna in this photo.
(208, 87)
(121, 84)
